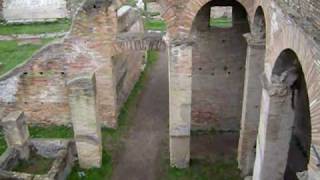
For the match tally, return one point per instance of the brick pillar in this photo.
(275, 130)
(180, 88)
(86, 128)
(17, 133)
(251, 104)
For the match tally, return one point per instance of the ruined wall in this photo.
(219, 56)
(35, 10)
(39, 87)
(127, 65)
(127, 69)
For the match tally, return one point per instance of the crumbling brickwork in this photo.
(41, 84)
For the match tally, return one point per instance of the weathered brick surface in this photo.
(139, 41)
(41, 89)
(219, 56)
(308, 9)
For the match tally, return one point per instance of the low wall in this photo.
(34, 10)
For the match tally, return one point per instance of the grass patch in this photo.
(155, 24)
(111, 138)
(95, 173)
(35, 28)
(131, 3)
(203, 170)
(3, 144)
(36, 164)
(13, 54)
(62, 132)
(222, 22)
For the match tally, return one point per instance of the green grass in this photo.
(35, 28)
(111, 138)
(95, 173)
(203, 170)
(41, 132)
(154, 24)
(3, 144)
(51, 132)
(222, 22)
(13, 54)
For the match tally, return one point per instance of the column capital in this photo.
(253, 41)
(277, 87)
(179, 41)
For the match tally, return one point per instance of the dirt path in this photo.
(141, 157)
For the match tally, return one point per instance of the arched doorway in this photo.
(218, 61)
(285, 131)
(252, 93)
(218, 73)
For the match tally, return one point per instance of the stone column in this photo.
(86, 128)
(251, 104)
(16, 133)
(275, 130)
(180, 89)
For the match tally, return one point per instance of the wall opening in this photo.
(221, 17)
(299, 151)
(259, 25)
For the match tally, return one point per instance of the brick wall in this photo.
(127, 65)
(308, 8)
(41, 89)
(218, 64)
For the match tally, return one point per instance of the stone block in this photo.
(17, 133)
(180, 151)
(89, 152)
(86, 127)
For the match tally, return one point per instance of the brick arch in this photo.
(286, 107)
(259, 23)
(288, 35)
(312, 77)
(191, 10)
